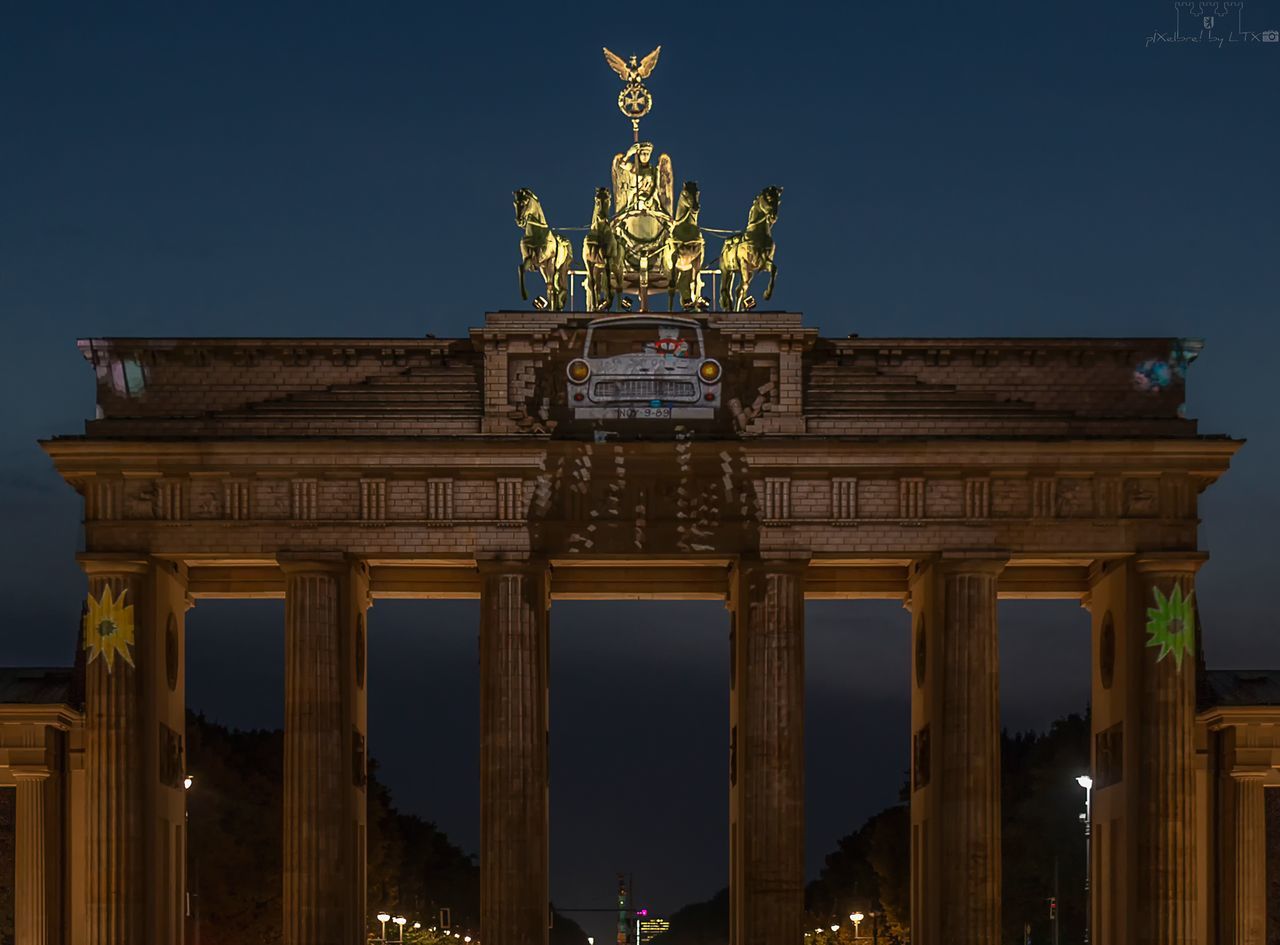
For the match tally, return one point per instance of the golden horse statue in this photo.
(686, 248)
(542, 250)
(751, 251)
(602, 256)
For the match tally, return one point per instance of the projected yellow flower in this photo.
(108, 628)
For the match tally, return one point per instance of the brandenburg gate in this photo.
(948, 474)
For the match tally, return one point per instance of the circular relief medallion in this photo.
(171, 652)
(635, 100)
(921, 653)
(360, 651)
(1107, 651)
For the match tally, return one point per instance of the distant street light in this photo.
(187, 782)
(856, 918)
(1086, 782)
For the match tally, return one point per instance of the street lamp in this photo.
(1086, 782)
(856, 918)
(383, 918)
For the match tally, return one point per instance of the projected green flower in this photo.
(1171, 624)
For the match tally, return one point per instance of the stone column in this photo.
(322, 862)
(968, 754)
(115, 878)
(514, 654)
(1166, 803)
(31, 908)
(766, 887)
(955, 800)
(1249, 902)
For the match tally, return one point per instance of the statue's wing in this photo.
(621, 182)
(619, 65)
(666, 181)
(647, 63)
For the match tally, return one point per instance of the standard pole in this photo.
(1088, 852)
(1056, 900)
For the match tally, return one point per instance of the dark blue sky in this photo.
(950, 169)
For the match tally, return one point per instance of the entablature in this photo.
(649, 578)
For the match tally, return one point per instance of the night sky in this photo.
(319, 169)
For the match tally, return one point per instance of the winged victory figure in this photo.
(639, 184)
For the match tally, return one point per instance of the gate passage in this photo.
(731, 456)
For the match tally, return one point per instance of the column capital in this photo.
(1170, 562)
(314, 562)
(975, 562)
(95, 563)
(785, 561)
(1250, 772)
(511, 563)
(29, 772)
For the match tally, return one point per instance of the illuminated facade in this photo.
(946, 474)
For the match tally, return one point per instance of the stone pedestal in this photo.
(766, 807)
(323, 859)
(31, 908)
(514, 892)
(956, 872)
(1166, 803)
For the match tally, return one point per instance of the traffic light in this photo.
(1053, 909)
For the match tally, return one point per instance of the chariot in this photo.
(644, 238)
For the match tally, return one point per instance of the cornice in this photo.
(56, 715)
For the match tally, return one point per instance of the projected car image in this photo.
(644, 367)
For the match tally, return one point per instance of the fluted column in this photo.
(1166, 805)
(321, 847)
(31, 910)
(968, 753)
(1249, 905)
(767, 753)
(514, 889)
(115, 880)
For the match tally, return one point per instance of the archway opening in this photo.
(1045, 678)
(857, 762)
(424, 756)
(639, 756)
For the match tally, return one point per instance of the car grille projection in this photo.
(645, 389)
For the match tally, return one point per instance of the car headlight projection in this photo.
(579, 370)
(710, 371)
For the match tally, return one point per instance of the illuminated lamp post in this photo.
(1086, 782)
(383, 918)
(192, 892)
